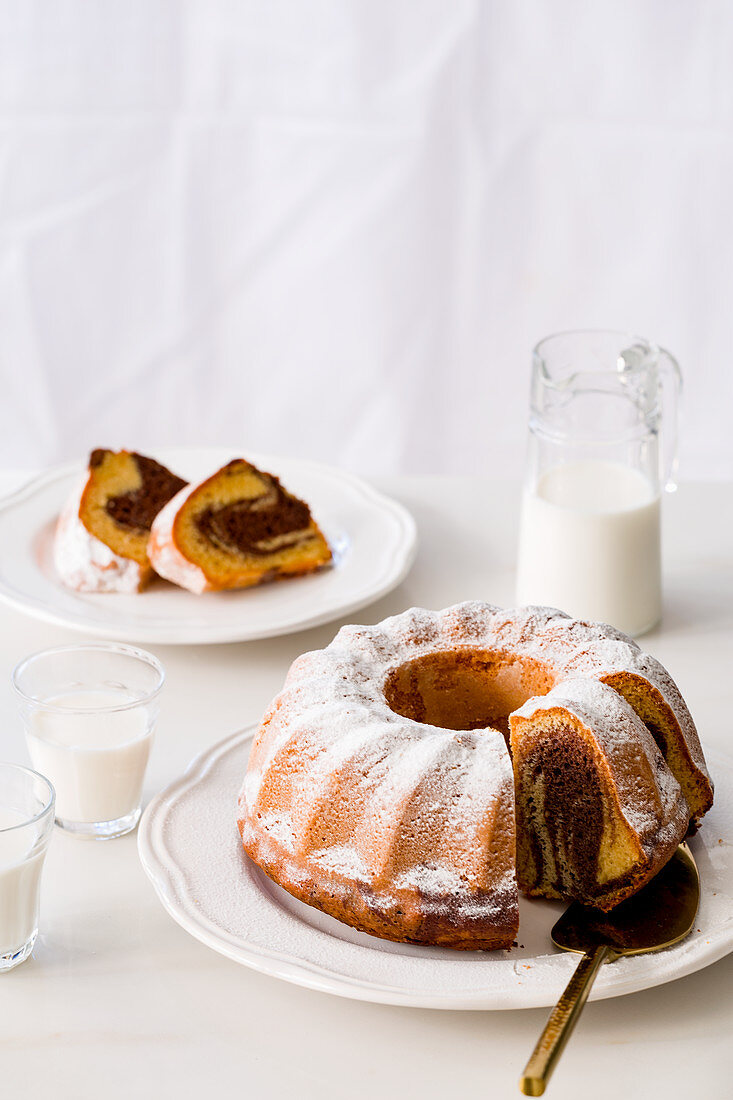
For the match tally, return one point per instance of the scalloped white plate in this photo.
(373, 538)
(190, 848)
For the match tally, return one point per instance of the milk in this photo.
(96, 761)
(590, 545)
(20, 878)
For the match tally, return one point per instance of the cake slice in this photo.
(102, 534)
(598, 811)
(234, 530)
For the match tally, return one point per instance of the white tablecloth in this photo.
(118, 1001)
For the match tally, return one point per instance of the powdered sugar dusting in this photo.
(649, 796)
(84, 562)
(190, 847)
(399, 778)
(167, 560)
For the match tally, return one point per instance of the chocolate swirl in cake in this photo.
(568, 798)
(260, 525)
(138, 508)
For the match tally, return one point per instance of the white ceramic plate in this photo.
(189, 846)
(373, 539)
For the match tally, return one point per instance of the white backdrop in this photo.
(335, 229)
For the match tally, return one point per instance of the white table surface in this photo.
(118, 1001)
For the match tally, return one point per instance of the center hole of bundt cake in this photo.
(465, 689)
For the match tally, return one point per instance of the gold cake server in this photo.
(661, 914)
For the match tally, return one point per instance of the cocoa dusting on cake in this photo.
(138, 508)
(250, 526)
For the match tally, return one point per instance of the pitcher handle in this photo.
(671, 391)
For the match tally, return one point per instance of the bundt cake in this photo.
(102, 534)
(381, 790)
(235, 529)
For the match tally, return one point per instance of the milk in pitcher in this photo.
(590, 544)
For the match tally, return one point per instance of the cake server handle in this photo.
(559, 1026)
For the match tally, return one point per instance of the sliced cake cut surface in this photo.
(598, 810)
(102, 534)
(237, 528)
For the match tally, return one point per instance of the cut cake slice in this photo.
(237, 528)
(102, 535)
(598, 811)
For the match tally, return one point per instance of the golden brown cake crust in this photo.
(100, 543)
(406, 920)
(380, 788)
(237, 528)
(123, 494)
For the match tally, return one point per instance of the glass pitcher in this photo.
(602, 446)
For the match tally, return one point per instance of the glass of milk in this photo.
(26, 821)
(602, 447)
(89, 713)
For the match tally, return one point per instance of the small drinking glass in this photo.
(89, 713)
(26, 821)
